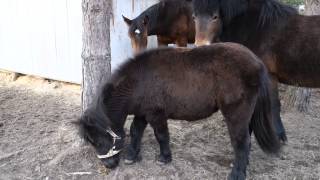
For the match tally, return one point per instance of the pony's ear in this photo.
(232, 8)
(127, 20)
(145, 20)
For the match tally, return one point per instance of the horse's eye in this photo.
(215, 17)
(193, 16)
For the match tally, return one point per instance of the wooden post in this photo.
(96, 57)
(312, 7)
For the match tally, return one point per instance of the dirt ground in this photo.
(38, 141)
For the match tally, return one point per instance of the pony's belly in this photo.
(193, 114)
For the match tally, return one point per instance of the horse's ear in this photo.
(145, 20)
(127, 20)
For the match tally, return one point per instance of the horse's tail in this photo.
(261, 121)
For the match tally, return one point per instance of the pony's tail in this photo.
(261, 121)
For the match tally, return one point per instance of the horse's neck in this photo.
(246, 30)
(153, 16)
(240, 30)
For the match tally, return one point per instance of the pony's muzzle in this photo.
(111, 162)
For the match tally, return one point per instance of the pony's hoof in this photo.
(236, 175)
(132, 160)
(283, 137)
(161, 160)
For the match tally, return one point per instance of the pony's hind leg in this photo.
(160, 127)
(240, 140)
(136, 132)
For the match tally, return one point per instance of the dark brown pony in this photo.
(189, 84)
(288, 43)
(170, 20)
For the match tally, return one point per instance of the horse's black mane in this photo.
(273, 10)
(270, 11)
(228, 8)
(205, 6)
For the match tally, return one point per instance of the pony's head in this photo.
(138, 32)
(211, 15)
(107, 142)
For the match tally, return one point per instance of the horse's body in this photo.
(170, 20)
(287, 43)
(188, 84)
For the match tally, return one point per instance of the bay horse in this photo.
(188, 84)
(170, 20)
(287, 43)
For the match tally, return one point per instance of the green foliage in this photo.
(293, 2)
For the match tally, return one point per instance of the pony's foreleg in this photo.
(136, 132)
(240, 140)
(275, 108)
(161, 131)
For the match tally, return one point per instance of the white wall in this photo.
(44, 37)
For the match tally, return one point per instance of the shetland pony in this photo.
(188, 84)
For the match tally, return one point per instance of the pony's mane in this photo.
(271, 11)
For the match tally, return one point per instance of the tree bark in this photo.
(96, 54)
(312, 7)
(296, 96)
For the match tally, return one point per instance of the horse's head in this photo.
(106, 141)
(211, 15)
(207, 21)
(138, 32)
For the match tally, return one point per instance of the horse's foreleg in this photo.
(182, 42)
(275, 108)
(162, 42)
(161, 131)
(136, 132)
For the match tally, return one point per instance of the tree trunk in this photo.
(96, 57)
(296, 96)
(312, 7)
